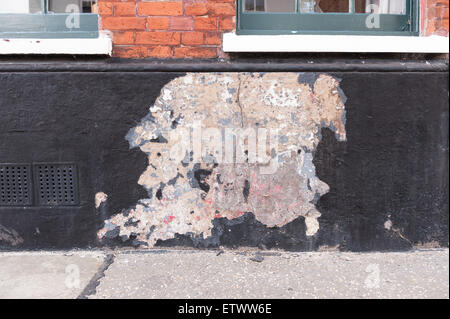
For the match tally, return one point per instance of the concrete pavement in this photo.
(60, 275)
(224, 274)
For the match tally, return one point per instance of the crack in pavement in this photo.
(91, 287)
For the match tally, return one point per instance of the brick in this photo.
(130, 52)
(160, 23)
(160, 8)
(192, 38)
(205, 23)
(227, 24)
(124, 23)
(222, 9)
(196, 9)
(431, 27)
(182, 23)
(160, 52)
(123, 37)
(221, 1)
(213, 38)
(105, 8)
(432, 12)
(158, 38)
(194, 52)
(436, 17)
(437, 3)
(125, 9)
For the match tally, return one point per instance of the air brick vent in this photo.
(15, 185)
(56, 184)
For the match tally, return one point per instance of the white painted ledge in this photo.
(99, 46)
(334, 43)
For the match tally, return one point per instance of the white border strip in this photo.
(334, 43)
(101, 46)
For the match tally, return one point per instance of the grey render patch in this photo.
(186, 197)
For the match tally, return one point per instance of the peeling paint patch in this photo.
(428, 245)
(100, 198)
(228, 175)
(388, 224)
(327, 248)
(10, 236)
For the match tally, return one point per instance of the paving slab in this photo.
(47, 275)
(237, 274)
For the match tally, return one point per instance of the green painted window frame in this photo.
(45, 25)
(268, 23)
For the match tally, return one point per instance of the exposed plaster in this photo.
(100, 198)
(10, 236)
(188, 191)
(388, 224)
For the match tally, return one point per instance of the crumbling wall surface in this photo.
(222, 145)
(10, 236)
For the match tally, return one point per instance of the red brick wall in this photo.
(167, 29)
(435, 17)
(194, 28)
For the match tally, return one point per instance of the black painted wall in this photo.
(394, 163)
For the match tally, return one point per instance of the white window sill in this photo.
(98, 46)
(334, 43)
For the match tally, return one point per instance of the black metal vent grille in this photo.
(15, 185)
(56, 184)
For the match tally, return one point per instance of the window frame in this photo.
(268, 23)
(47, 25)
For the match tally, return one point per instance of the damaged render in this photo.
(187, 191)
(10, 236)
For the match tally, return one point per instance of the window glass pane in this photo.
(20, 6)
(370, 17)
(88, 6)
(361, 6)
(386, 6)
(63, 6)
(280, 5)
(249, 5)
(259, 5)
(55, 6)
(270, 5)
(331, 5)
